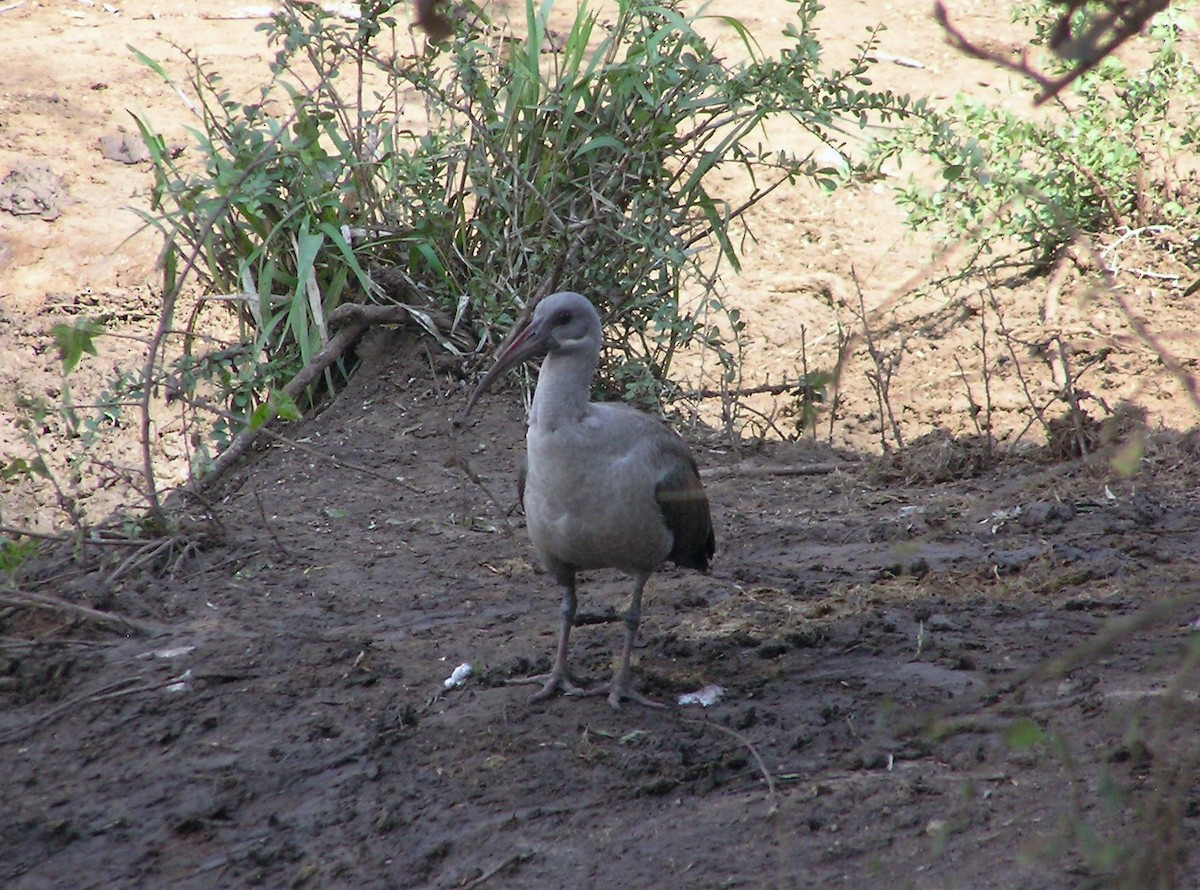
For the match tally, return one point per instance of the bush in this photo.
(1106, 161)
(583, 162)
(585, 167)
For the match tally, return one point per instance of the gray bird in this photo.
(603, 485)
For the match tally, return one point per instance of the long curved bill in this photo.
(530, 343)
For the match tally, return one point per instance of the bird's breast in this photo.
(589, 501)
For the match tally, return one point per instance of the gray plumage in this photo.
(603, 485)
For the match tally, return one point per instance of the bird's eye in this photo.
(561, 318)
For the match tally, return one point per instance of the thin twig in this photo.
(1087, 50)
(28, 599)
(317, 454)
(766, 389)
(782, 470)
(327, 355)
(463, 464)
(1178, 371)
(768, 420)
(262, 515)
(237, 557)
(881, 380)
(118, 689)
(460, 461)
(356, 318)
(514, 859)
(772, 795)
(967, 715)
(14, 532)
(142, 555)
(1072, 399)
(1008, 338)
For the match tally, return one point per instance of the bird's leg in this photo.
(558, 678)
(619, 688)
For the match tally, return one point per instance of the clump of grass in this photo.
(585, 165)
(582, 161)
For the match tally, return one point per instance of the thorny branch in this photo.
(1096, 39)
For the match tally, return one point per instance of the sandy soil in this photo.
(881, 625)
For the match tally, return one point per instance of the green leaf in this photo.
(1128, 457)
(1024, 733)
(278, 404)
(260, 416)
(74, 340)
(598, 142)
(602, 148)
(752, 46)
(284, 406)
(13, 554)
(22, 467)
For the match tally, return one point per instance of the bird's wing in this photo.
(684, 505)
(677, 490)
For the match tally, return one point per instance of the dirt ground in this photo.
(936, 674)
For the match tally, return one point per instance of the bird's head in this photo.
(562, 324)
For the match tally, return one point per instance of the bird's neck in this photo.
(562, 390)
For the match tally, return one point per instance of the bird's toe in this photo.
(619, 692)
(555, 681)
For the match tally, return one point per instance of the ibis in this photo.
(603, 485)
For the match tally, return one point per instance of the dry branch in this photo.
(502, 865)
(354, 319)
(769, 389)
(118, 689)
(780, 470)
(1099, 38)
(772, 794)
(27, 599)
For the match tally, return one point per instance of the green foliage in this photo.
(589, 162)
(587, 167)
(1024, 733)
(19, 467)
(74, 340)
(14, 554)
(1101, 161)
(593, 173)
(263, 218)
(279, 404)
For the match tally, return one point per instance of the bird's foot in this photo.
(618, 691)
(560, 681)
(555, 681)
